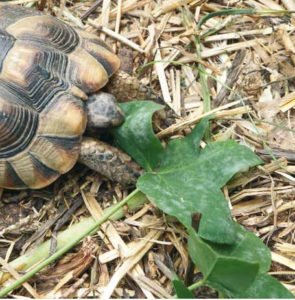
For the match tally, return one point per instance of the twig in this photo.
(191, 121)
(116, 36)
(233, 75)
(91, 10)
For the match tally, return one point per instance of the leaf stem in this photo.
(4, 292)
(196, 285)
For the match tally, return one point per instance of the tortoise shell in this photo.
(46, 69)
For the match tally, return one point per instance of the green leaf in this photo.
(227, 272)
(265, 287)
(247, 247)
(182, 292)
(136, 135)
(179, 195)
(189, 145)
(189, 181)
(184, 180)
(236, 270)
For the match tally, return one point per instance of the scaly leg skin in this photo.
(109, 161)
(126, 87)
(103, 113)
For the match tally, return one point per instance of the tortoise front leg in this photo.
(109, 161)
(103, 113)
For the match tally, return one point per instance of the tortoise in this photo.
(48, 70)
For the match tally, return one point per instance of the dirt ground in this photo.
(250, 62)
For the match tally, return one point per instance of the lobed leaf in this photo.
(189, 181)
(136, 135)
(184, 180)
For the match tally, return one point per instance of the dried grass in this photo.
(136, 255)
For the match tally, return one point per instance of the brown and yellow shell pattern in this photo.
(46, 69)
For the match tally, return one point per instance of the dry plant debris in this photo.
(250, 63)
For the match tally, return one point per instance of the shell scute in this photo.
(45, 66)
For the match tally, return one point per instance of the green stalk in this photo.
(242, 11)
(70, 237)
(135, 202)
(196, 285)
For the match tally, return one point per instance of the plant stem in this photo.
(76, 239)
(196, 285)
(136, 201)
(225, 12)
(241, 11)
